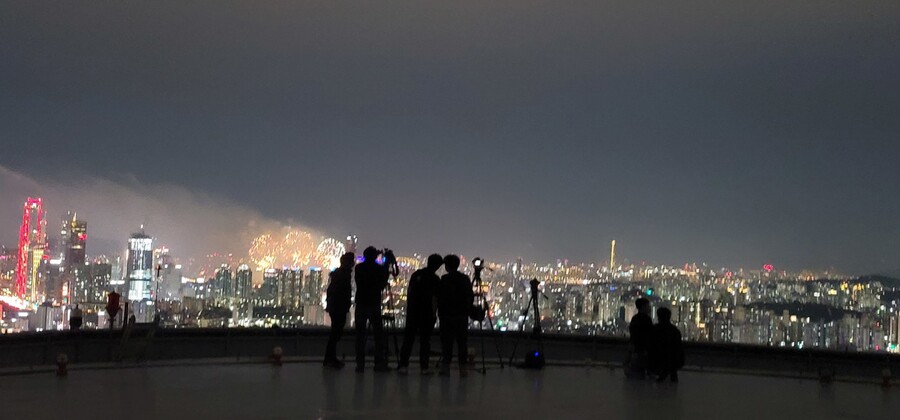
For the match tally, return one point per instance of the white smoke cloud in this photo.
(189, 223)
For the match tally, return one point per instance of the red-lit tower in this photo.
(32, 244)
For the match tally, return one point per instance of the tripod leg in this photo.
(483, 359)
(521, 331)
(496, 342)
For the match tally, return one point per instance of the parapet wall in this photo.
(21, 352)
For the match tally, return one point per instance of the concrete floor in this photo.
(307, 391)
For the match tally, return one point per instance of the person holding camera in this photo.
(371, 279)
(420, 313)
(454, 298)
(337, 300)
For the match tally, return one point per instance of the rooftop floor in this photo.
(306, 390)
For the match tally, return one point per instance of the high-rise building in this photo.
(73, 240)
(53, 276)
(289, 285)
(7, 270)
(313, 288)
(100, 282)
(223, 283)
(268, 291)
(170, 276)
(243, 282)
(139, 266)
(74, 278)
(311, 301)
(32, 248)
(612, 257)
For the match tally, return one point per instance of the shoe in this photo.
(382, 368)
(403, 370)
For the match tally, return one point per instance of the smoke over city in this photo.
(190, 224)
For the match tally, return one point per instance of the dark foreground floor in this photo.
(307, 391)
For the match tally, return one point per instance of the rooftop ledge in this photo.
(228, 373)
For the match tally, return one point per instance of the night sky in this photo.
(736, 134)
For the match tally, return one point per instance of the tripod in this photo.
(482, 311)
(534, 360)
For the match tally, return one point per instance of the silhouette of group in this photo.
(429, 298)
(654, 349)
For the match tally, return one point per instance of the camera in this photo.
(389, 258)
(478, 262)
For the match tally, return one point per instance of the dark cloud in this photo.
(731, 133)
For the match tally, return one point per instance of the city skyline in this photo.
(111, 242)
(242, 251)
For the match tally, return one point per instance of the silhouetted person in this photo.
(76, 319)
(371, 279)
(666, 353)
(420, 313)
(454, 298)
(337, 300)
(641, 330)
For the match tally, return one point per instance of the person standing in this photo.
(371, 279)
(420, 310)
(337, 300)
(641, 331)
(76, 318)
(666, 353)
(454, 298)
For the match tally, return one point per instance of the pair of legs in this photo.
(421, 328)
(364, 317)
(454, 329)
(338, 320)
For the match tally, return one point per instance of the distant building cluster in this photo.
(283, 278)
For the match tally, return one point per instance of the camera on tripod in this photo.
(389, 260)
(479, 306)
(388, 256)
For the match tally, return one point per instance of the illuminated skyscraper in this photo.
(139, 266)
(223, 284)
(289, 285)
(612, 257)
(243, 282)
(74, 274)
(268, 292)
(74, 240)
(98, 283)
(32, 247)
(313, 311)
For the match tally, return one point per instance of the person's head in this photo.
(664, 315)
(643, 305)
(348, 259)
(451, 263)
(435, 261)
(370, 254)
